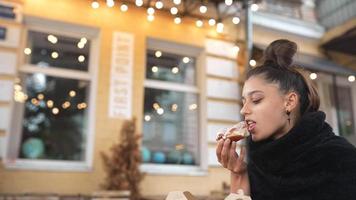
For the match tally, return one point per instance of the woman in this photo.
(292, 151)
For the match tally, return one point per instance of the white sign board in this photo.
(120, 99)
(6, 90)
(8, 63)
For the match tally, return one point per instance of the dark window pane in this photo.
(170, 67)
(51, 50)
(55, 117)
(345, 112)
(171, 132)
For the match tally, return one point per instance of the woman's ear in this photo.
(291, 101)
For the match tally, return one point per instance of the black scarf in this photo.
(309, 162)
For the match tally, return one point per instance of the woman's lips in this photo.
(251, 126)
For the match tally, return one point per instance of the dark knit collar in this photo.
(272, 154)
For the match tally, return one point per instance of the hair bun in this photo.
(280, 53)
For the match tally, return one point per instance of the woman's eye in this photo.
(256, 101)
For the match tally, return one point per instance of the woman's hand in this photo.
(228, 158)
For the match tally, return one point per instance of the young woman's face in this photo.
(264, 109)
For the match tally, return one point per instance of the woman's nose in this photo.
(244, 110)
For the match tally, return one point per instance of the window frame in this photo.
(13, 140)
(198, 89)
(326, 80)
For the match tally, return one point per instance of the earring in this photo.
(288, 113)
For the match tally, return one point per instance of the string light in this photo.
(212, 22)
(158, 54)
(72, 93)
(252, 63)
(124, 7)
(27, 51)
(175, 70)
(235, 50)
(193, 106)
(174, 107)
(54, 55)
(351, 78)
(154, 69)
(186, 60)
(147, 118)
(235, 20)
(83, 40)
(81, 58)
(177, 20)
(203, 9)
(156, 106)
(66, 105)
(150, 18)
(40, 96)
(313, 76)
(254, 7)
(139, 3)
(55, 111)
(50, 103)
(95, 4)
(81, 106)
(80, 45)
(199, 23)
(177, 2)
(150, 11)
(220, 27)
(174, 10)
(110, 3)
(52, 39)
(228, 2)
(160, 111)
(159, 4)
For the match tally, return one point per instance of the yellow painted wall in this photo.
(109, 20)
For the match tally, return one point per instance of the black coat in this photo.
(309, 162)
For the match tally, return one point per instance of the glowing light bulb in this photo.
(95, 4)
(199, 23)
(159, 4)
(235, 20)
(124, 7)
(27, 51)
(203, 9)
(313, 76)
(174, 10)
(139, 3)
(212, 22)
(177, 20)
(228, 2)
(254, 7)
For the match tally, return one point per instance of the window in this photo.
(54, 97)
(172, 139)
(345, 109)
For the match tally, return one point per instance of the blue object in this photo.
(33, 148)
(188, 158)
(174, 156)
(159, 157)
(145, 154)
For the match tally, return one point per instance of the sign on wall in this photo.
(120, 97)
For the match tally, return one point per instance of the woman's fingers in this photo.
(240, 166)
(232, 160)
(219, 149)
(225, 152)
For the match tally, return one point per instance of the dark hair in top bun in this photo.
(278, 68)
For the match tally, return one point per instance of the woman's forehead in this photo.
(257, 84)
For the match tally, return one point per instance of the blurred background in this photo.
(72, 72)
